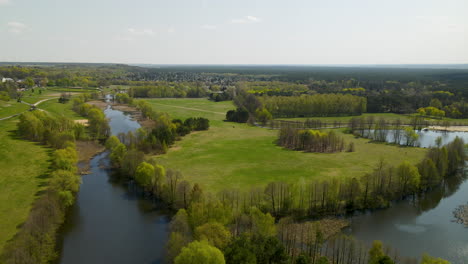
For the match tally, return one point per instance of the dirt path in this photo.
(35, 104)
(189, 108)
(43, 100)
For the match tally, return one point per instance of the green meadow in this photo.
(232, 155)
(23, 175)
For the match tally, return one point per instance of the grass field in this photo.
(237, 155)
(12, 107)
(23, 166)
(56, 108)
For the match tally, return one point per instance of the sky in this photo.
(235, 31)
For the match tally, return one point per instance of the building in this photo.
(7, 80)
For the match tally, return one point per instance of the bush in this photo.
(240, 115)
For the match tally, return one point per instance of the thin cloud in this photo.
(209, 27)
(4, 2)
(246, 20)
(171, 30)
(16, 27)
(141, 32)
(253, 19)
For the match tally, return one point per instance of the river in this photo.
(424, 226)
(109, 223)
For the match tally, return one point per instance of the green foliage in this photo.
(323, 260)
(117, 155)
(197, 124)
(65, 180)
(215, 233)
(263, 116)
(240, 250)
(376, 252)
(112, 142)
(4, 96)
(262, 224)
(385, 260)
(303, 259)
(168, 90)
(411, 137)
(409, 177)
(200, 252)
(36, 241)
(314, 105)
(144, 174)
(269, 250)
(310, 140)
(65, 159)
(426, 259)
(176, 243)
(431, 111)
(240, 115)
(98, 125)
(436, 103)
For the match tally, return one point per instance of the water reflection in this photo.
(110, 223)
(421, 225)
(427, 138)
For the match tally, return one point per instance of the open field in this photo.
(12, 107)
(232, 155)
(23, 166)
(56, 108)
(53, 106)
(30, 97)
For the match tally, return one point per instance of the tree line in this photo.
(239, 226)
(97, 123)
(168, 90)
(314, 105)
(36, 240)
(310, 140)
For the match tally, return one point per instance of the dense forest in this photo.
(386, 90)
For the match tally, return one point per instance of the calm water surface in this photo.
(424, 226)
(109, 223)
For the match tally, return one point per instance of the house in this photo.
(7, 80)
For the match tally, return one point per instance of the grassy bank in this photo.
(24, 166)
(237, 155)
(56, 108)
(11, 108)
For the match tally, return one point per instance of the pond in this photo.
(109, 222)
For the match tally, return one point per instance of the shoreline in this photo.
(134, 112)
(448, 128)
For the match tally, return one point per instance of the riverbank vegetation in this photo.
(232, 183)
(212, 217)
(35, 242)
(24, 165)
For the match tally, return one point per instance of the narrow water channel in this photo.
(109, 223)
